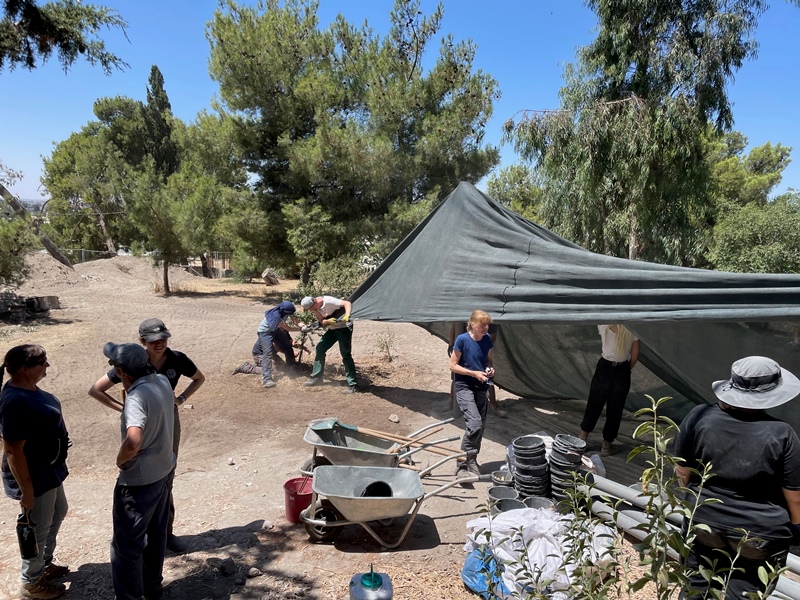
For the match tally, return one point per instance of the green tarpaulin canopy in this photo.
(548, 294)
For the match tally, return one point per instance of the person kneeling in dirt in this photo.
(146, 465)
(153, 335)
(471, 362)
(273, 330)
(337, 329)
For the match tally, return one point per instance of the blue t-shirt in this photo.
(474, 356)
(35, 416)
(275, 316)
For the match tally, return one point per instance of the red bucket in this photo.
(297, 493)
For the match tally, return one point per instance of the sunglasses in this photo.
(37, 362)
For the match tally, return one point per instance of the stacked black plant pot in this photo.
(531, 471)
(566, 459)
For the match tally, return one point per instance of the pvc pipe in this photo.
(625, 522)
(793, 562)
(788, 587)
(636, 498)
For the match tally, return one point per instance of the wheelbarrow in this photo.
(347, 495)
(335, 443)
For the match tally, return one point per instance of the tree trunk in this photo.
(204, 265)
(101, 220)
(166, 276)
(633, 239)
(18, 208)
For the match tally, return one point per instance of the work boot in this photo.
(473, 468)
(351, 389)
(242, 368)
(608, 449)
(176, 544)
(270, 383)
(311, 381)
(54, 571)
(462, 473)
(43, 590)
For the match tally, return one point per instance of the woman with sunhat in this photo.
(153, 335)
(755, 487)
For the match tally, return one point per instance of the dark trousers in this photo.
(264, 343)
(610, 386)
(474, 404)
(709, 547)
(140, 538)
(345, 338)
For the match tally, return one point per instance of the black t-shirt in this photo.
(35, 416)
(175, 365)
(753, 457)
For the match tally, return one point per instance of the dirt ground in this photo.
(240, 443)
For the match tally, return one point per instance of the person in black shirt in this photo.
(35, 443)
(153, 335)
(755, 462)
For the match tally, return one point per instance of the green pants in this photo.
(345, 338)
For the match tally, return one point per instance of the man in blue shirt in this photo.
(274, 330)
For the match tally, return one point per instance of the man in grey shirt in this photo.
(146, 461)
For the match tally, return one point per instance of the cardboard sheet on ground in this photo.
(548, 295)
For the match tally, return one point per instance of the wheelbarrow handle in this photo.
(485, 478)
(448, 458)
(426, 445)
(431, 426)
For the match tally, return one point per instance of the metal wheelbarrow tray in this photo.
(344, 503)
(342, 445)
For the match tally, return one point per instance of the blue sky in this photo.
(521, 43)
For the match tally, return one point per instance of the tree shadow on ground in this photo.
(219, 564)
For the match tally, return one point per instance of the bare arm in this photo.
(634, 353)
(793, 503)
(130, 446)
(99, 392)
(285, 327)
(684, 475)
(19, 467)
(457, 368)
(197, 380)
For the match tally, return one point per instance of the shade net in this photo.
(548, 295)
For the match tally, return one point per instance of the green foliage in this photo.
(16, 240)
(740, 179)
(519, 187)
(338, 277)
(344, 128)
(30, 33)
(760, 238)
(623, 158)
(84, 178)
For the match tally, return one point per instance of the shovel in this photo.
(333, 422)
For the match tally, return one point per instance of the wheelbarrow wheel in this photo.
(324, 512)
(312, 464)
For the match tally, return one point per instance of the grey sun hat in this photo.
(129, 357)
(757, 382)
(152, 330)
(307, 302)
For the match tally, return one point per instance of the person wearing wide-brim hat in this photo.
(755, 462)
